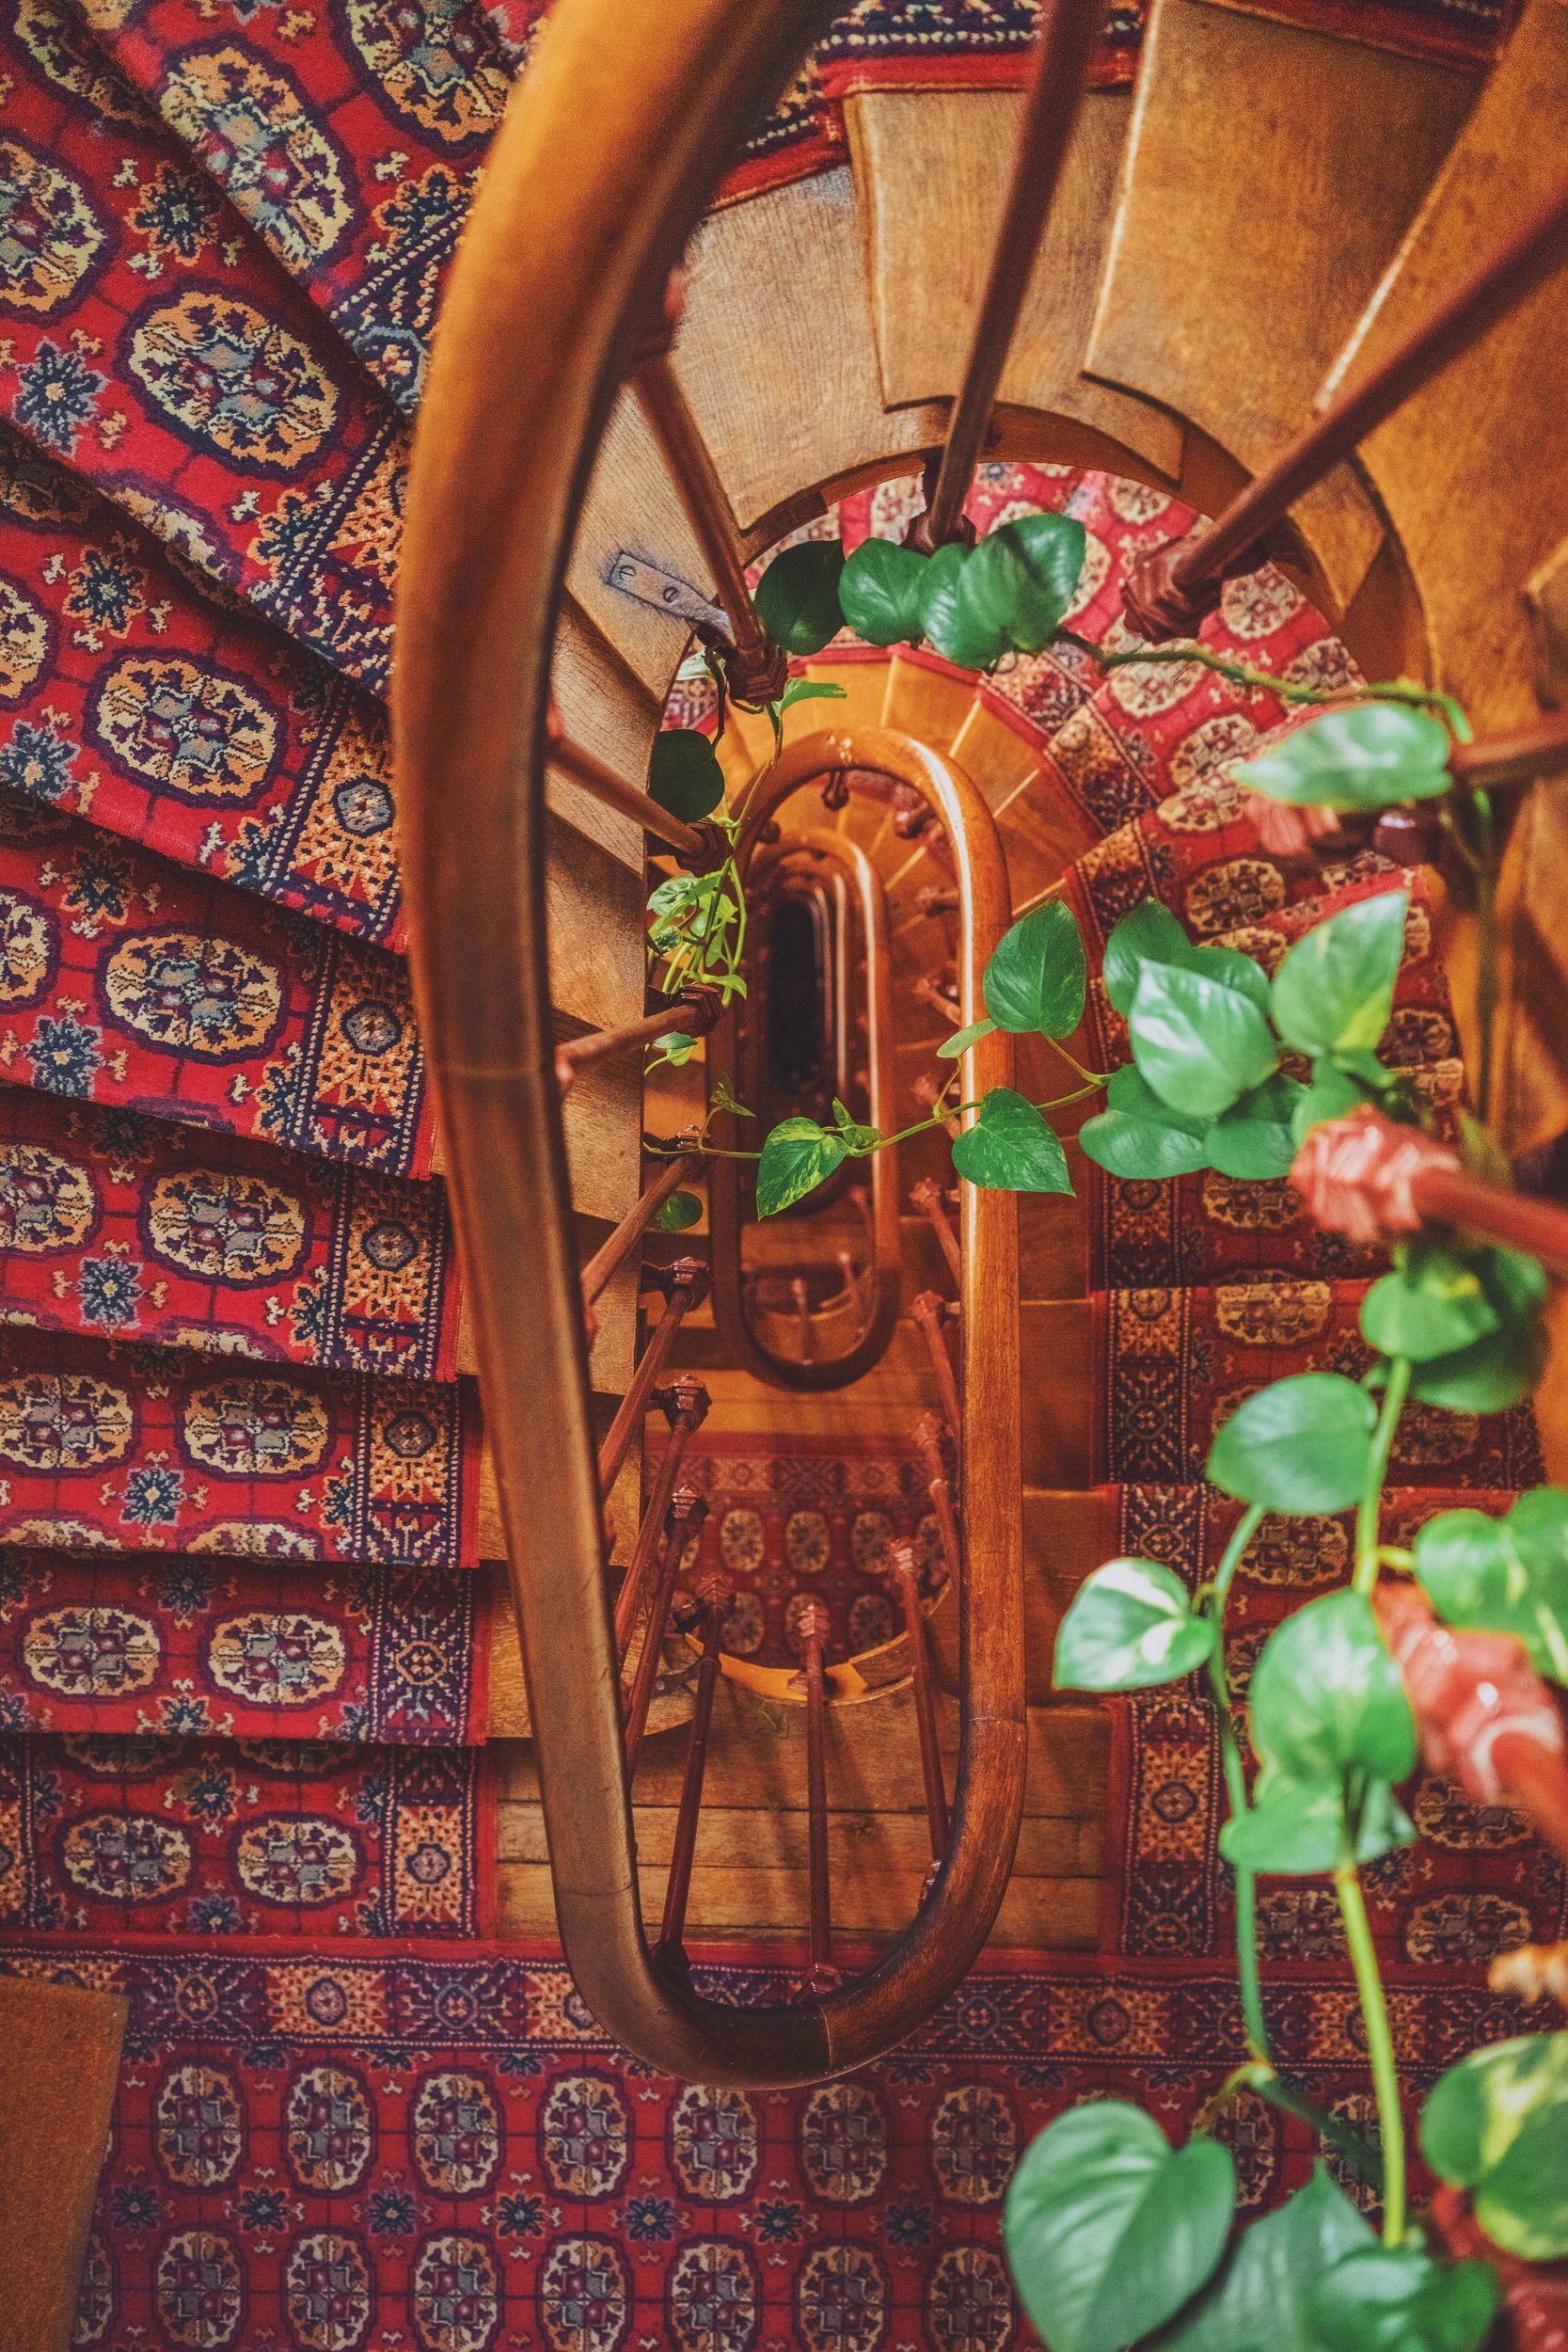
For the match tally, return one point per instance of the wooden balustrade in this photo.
(927, 1438)
(688, 1510)
(713, 1591)
(1169, 590)
(682, 1286)
(812, 1628)
(694, 1011)
(863, 890)
(611, 1254)
(1452, 1197)
(926, 1197)
(906, 1581)
(692, 846)
(609, 146)
(685, 1406)
(1069, 30)
(756, 670)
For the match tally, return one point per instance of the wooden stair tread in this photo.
(777, 357)
(930, 193)
(1281, 229)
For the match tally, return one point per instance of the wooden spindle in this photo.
(1538, 749)
(933, 902)
(927, 1438)
(1170, 589)
(813, 1628)
(685, 1405)
(930, 1312)
(928, 990)
(927, 1197)
(683, 1286)
(757, 669)
(799, 1298)
(694, 1011)
(1376, 1181)
(688, 1510)
(906, 1578)
(693, 847)
(611, 1254)
(713, 1593)
(1069, 30)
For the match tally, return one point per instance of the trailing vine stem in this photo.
(1380, 2040)
(677, 1147)
(1212, 1605)
(1368, 1510)
(1267, 681)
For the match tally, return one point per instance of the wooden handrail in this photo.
(691, 845)
(1538, 749)
(610, 144)
(729, 1305)
(1169, 588)
(1069, 30)
(757, 669)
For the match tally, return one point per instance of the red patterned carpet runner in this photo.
(245, 1641)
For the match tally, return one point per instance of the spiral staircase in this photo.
(223, 244)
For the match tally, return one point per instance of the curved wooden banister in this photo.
(609, 146)
(729, 1305)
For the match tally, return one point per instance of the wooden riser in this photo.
(1269, 176)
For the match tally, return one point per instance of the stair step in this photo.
(633, 508)
(1270, 173)
(607, 709)
(930, 185)
(777, 357)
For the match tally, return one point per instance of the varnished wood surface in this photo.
(776, 353)
(930, 177)
(1271, 173)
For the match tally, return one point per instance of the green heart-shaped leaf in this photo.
(809, 689)
(796, 597)
(684, 774)
(1504, 1576)
(1108, 2229)
(797, 1157)
(1302, 1445)
(1295, 1828)
(1431, 1305)
(1200, 1045)
(1498, 2123)
(1150, 934)
(1022, 579)
(950, 618)
(962, 1040)
(1261, 2301)
(1334, 988)
(1128, 1625)
(1489, 1375)
(1396, 2298)
(1010, 1148)
(1037, 977)
(879, 593)
(1334, 1093)
(681, 1210)
(1254, 1140)
(1144, 1150)
(1371, 756)
(1326, 1695)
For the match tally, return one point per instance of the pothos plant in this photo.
(1115, 2237)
